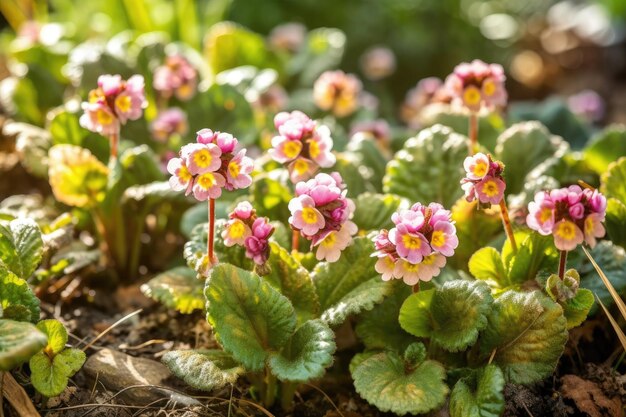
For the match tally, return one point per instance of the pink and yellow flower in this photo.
(181, 178)
(235, 232)
(168, 123)
(477, 84)
(208, 185)
(304, 216)
(201, 158)
(337, 92)
(176, 77)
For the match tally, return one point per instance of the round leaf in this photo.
(415, 316)
(577, 308)
(373, 211)
(179, 288)
(56, 333)
(19, 341)
(205, 370)
(14, 293)
(479, 395)
(50, 377)
(614, 180)
(606, 147)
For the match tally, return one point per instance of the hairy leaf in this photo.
(56, 333)
(605, 147)
(19, 341)
(50, 376)
(479, 395)
(21, 246)
(616, 221)
(373, 211)
(178, 288)
(577, 308)
(203, 369)
(15, 292)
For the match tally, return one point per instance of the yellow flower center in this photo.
(438, 239)
(123, 103)
(411, 242)
(236, 230)
(206, 181)
(429, 260)
(314, 149)
(184, 91)
(301, 166)
(589, 224)
(489, 87)
(309, 215)
(234, 169)
(545, 214)
(104, 118)
(480, 169)
(183, 174)
(330, 240)
(471, 96)
(409, 267)
(203, 158)
(292, 149)
(490, 188)
(566, 230)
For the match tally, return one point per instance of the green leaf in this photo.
(535, 253)
(367, 156)
(270, 197)
(486, 264)
(452, 316)
(140, 165)
(605, 147)
(379, 328)
(249, 316)
(293, 281)
(199, 213)
(479, 395)
(373, 211)
(350, 285)
(179, 288)
(387, 382)
(151, 194)
(528, 332)
(15, 293)
(65, 127)
(322, 50)
(56, 333)
(429, 167)
(522, 147)
(50, 377)
(77, 178)
(577, 309)
(616, 221)
(21, 246)
(203, 369)
(614, 180)
(19, 341)
(307, 354)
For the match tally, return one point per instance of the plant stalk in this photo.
(473, 133)
(295, 241)
(269, 394)
(287, 391)
(562, 262)
(211, 238)
(416, 288)
(114, 139)
(506, 221)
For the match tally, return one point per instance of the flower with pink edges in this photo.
(427, 91)
(476, 84)
(176, 77)
(337, 92)
(571, 215)
(321, 213)
(302, 145)
(417, 247)
(210, 164)
(483, 179)
(168, 123)
(113, 103)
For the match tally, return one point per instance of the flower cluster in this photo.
(427, 91)
(572, 215)
(321, 213)
(113, 103)
(246, 229)
(416, 248)
(301, 144)
(337, 92)
(176, 77)
(168, 123)
(209, 164)
(483, 179)
(477, 84)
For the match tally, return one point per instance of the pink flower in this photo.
(410, 246)
(301, 169)
(242, 211)
(257, 245)
(295, 125)
(201, 158)
(330, 247)
(576, 211)
(235, 233)
(567, 235)
(385, 266)
(597, 202)
(129, 104)
(477, 84)
(110, 84)
(168, 123)
(477, 166)
(444, 239)
(412, 219)
(285, 150)
(593, 228)
(208, 185)
(541, 214)
(238, 171)
(490, 190)
(304, 215)
(337, 92)
(226, 142)
(181, 178)
(378, 63)
(176, 77)
(99, 118)
(320, 146)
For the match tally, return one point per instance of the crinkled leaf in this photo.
(203, 369)
(452, 315)
(77, 178)
(178, 288)
(373, 211)
(528, 332)
(607, 146)
(486, 264)
(14, 292)
(19, 341)
(379, 328)
(429, 167)
(577, 308)
(616, 221)
(535, 253)
(306, 355)
(56, 333)
(250, 317)
(50, 377)
(367, 155)
(614, 180)
(293, 281)
(384, 381)
(522, 147)
(479, 395)
(21, 246)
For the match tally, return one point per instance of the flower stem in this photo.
(211, 230)
(506, 221)
(473, 133)
(295, 241)
(562, 262)
(114, 139)
(416, 288)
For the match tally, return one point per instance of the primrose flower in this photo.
(176, 77)
(587, 104)
(302, 145)
(483, 179)
(321, 213)
(210, 164)
(337, 92)
(168, 123)
(113, 103)
(427, 91)
(572, 215)
(288, 36)
(477, 84)
(378, 63)
(417, 247)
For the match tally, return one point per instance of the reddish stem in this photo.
(562, 262)
(295, 241)
(506, 221)
(211, 229)
(114, 139)
(473, 132)
(416, 287)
